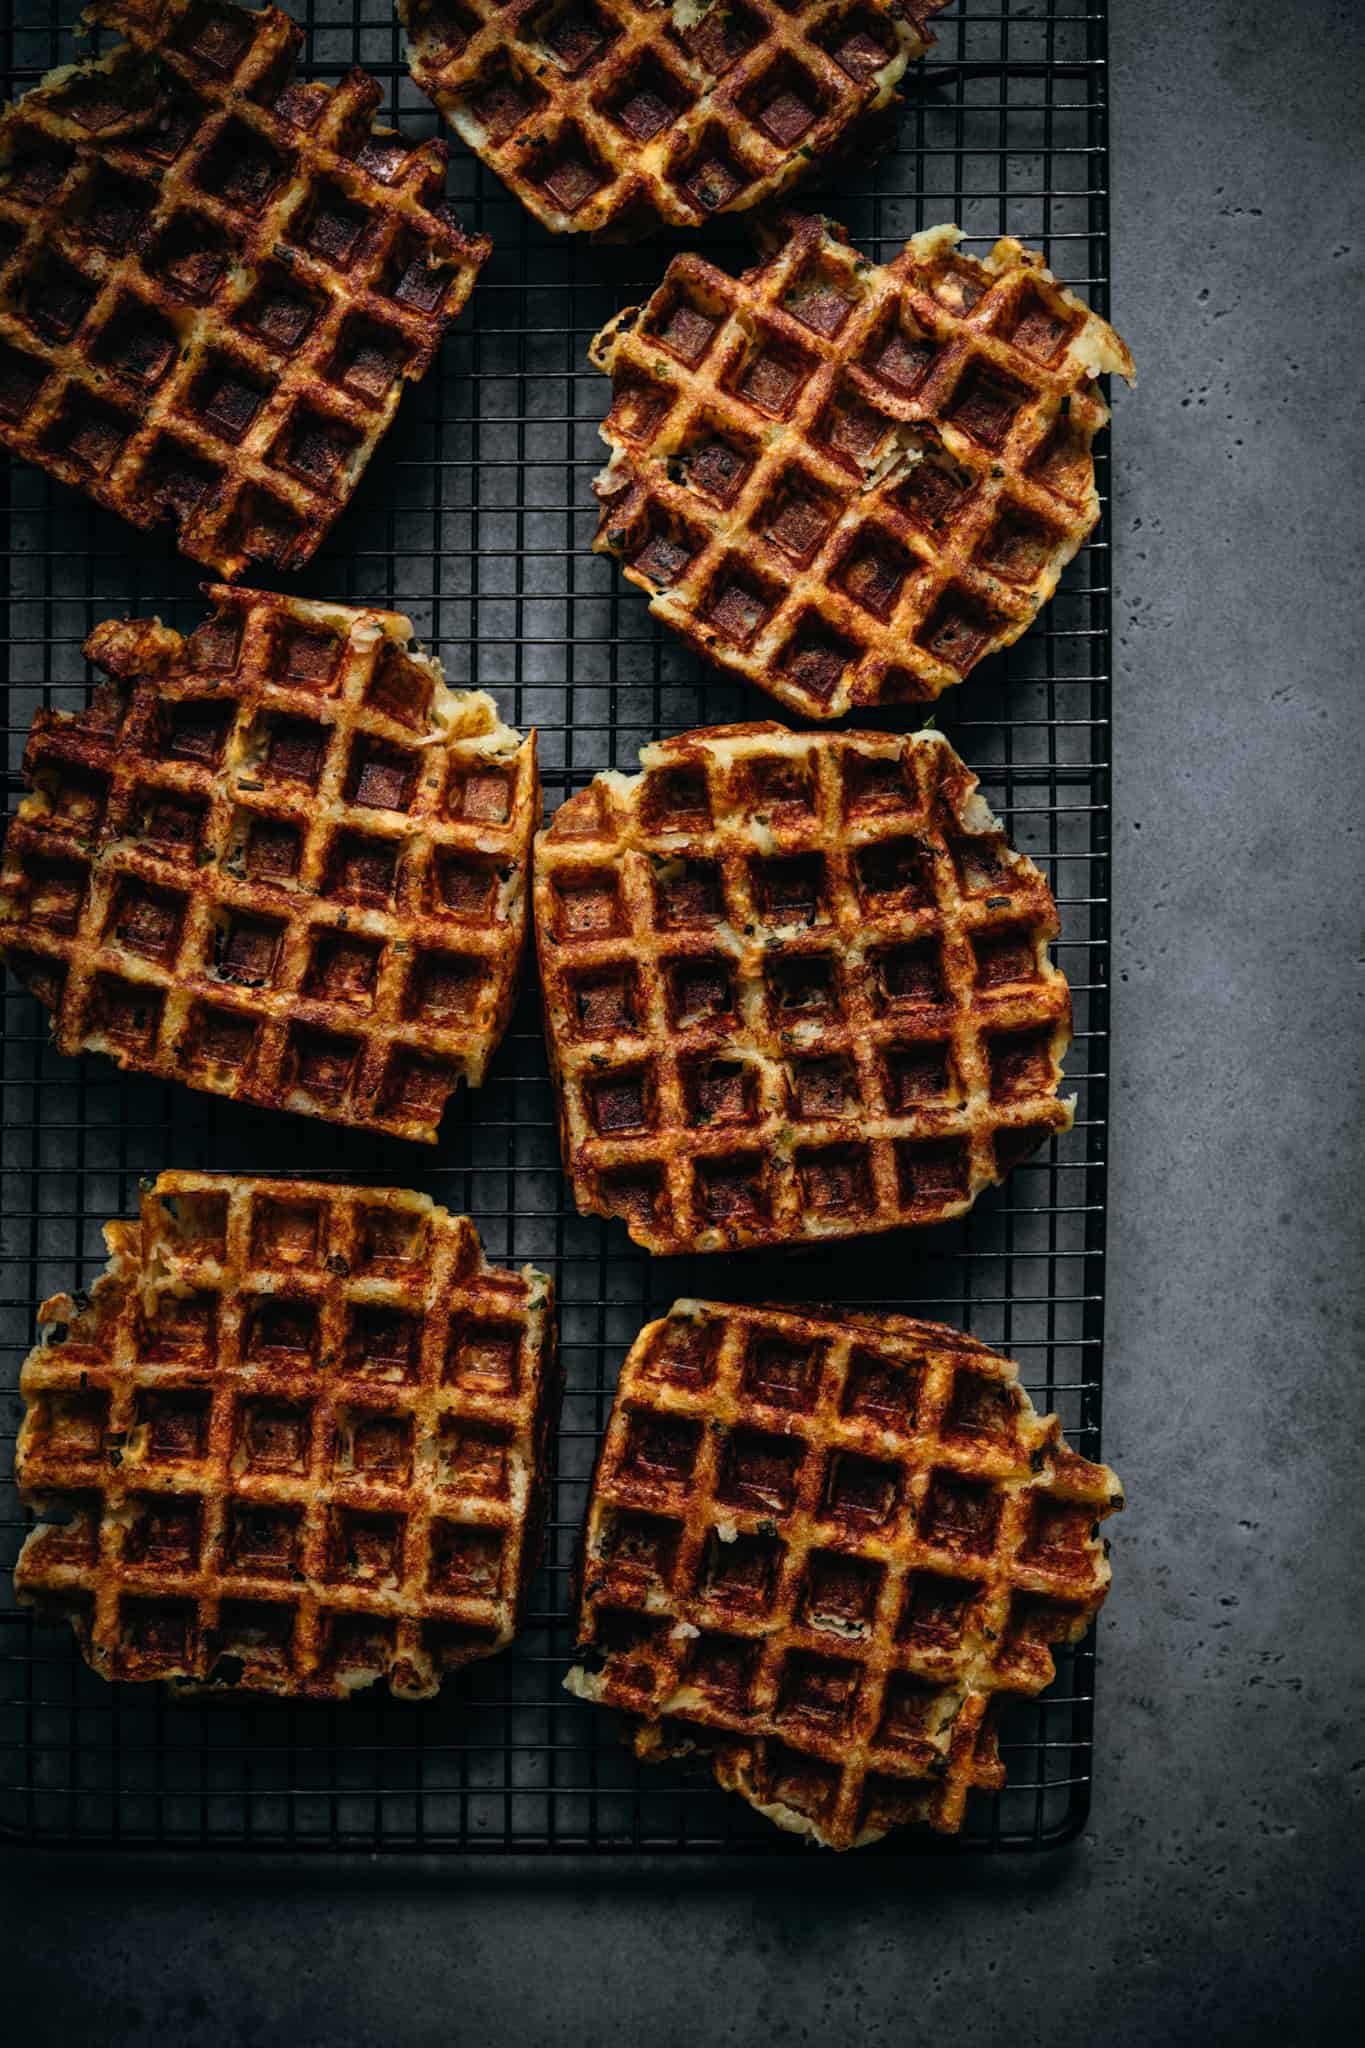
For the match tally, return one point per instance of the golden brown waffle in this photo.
(819, 1549)
(280, 860)
(797, 986)
(851, 482)
(295, 1440)
(215, 282)
(621, 115)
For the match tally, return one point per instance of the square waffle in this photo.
(819, 1549)
(620, 116)
(797, 987)
(849, 482)
(215, 282)
(295, 1440)
(280, 861)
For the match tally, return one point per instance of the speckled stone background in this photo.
(1216, 1896)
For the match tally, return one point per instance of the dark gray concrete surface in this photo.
(1216, 1894)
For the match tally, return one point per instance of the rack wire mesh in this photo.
(476, 518)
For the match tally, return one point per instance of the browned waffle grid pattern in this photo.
(214, 281)
(619, 115)
(796, 988)
(820, 1549)
(280, 861)
(851, 482)
(478, 522)
(297, 1441)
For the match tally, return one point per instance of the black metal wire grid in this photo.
(476, 518)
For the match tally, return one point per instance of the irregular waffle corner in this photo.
(850, 482)
(619, 116)
(281, 860)
(215, 282)
(295, 1440)
(797, 987)
(821, 1550)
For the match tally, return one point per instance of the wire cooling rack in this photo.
(476, 518)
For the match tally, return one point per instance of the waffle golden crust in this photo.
(851, 482)
(819, 1549)
(797, 986)
(215, 282)
(280, 861)
(295, 1440)
(619, 116)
